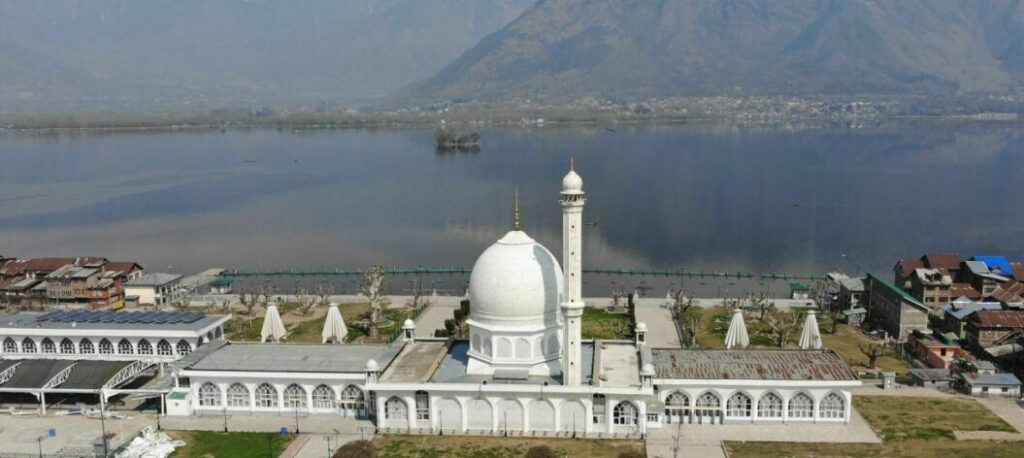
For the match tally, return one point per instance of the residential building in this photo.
(931, 286)
(91, 282)
(954, 314)
(799, 291)
(935, 353)
(1010, 294)
(987, 328)
(981, 378)
(940, 379)
(893, 310)
(85, 287)
(904, 268)
(154, 289)
(977, 273)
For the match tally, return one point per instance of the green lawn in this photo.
(909, 427)
(845, 342)
(308, 330)
(602, 324)
(398, 446)
(205, 444)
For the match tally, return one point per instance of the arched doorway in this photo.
(677, 408)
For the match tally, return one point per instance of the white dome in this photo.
(371, 366)
(647, 369)
(572, 183)
(641, 327)
(409, 324)
(516, 279)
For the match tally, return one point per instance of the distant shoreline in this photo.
(332, 121)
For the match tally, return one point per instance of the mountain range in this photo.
(202, 54)
(645, 48)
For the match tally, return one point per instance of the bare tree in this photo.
(249, 298)
(323, 291)
(617, 295)
(374, 283)
(305, 301)
(761, 304)
(416, 289)
(781, 325)
(874, 351)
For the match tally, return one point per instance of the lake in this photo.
(703, 197)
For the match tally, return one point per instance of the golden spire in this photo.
(515, 213)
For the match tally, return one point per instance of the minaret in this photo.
(572, 301)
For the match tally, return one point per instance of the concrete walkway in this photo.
(320, 424)
(433, 318)
(317, 445)
(706, 440)
(661, 327)
(1009, 409)
(75, 434)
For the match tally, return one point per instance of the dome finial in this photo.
(572, 164)
(515, 213)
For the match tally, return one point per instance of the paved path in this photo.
(661, 328)
(433, 318)
(1010, 410)
(18, 435)
(317, 445)
(706, 440)
(322, 424)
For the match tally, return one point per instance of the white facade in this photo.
(526, 370)
(572, 201)
(513, 325)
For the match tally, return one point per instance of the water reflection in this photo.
(701, 197)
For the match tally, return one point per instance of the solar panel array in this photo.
(113, 316)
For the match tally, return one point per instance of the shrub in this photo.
(541, 451)
(356, 449)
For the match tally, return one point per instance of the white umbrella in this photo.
(334, 327)
(737, 334)
(810, 337)
(273, 327)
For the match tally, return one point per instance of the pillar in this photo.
(572, 201)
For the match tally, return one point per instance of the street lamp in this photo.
(225, 419)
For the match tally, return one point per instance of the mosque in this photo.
(525, 368)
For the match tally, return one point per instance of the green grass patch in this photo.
(909, 427)
(398, 446)
(206, 444)
(846, 343)
(602, 324)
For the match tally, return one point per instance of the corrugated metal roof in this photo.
(751, 365)
(276, 357)
(994, 263)
(34, 373)
(941, 260)
(998, 319)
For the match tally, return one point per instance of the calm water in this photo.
(704, 197)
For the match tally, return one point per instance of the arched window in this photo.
(28, 345)
(266, 396)
(106, 348)
(801, 406)
(677, 399)
(600, 404)
(183, 347)
(832, 406)
(769, 406)
(67, 346)
(487, 346)
(10, 346)
(49, 346)
(476, 342)
(422, 405)
(209, 395)
(351, 397)
(238, 395)
(294, 397)
(163, 348)
(85, 347)
(504, 348)
(625, 413)
(522, 348)
(145, 348)
(323, 397)
(739, 405)
(395, 409)
(709, 400)
(124, 347)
